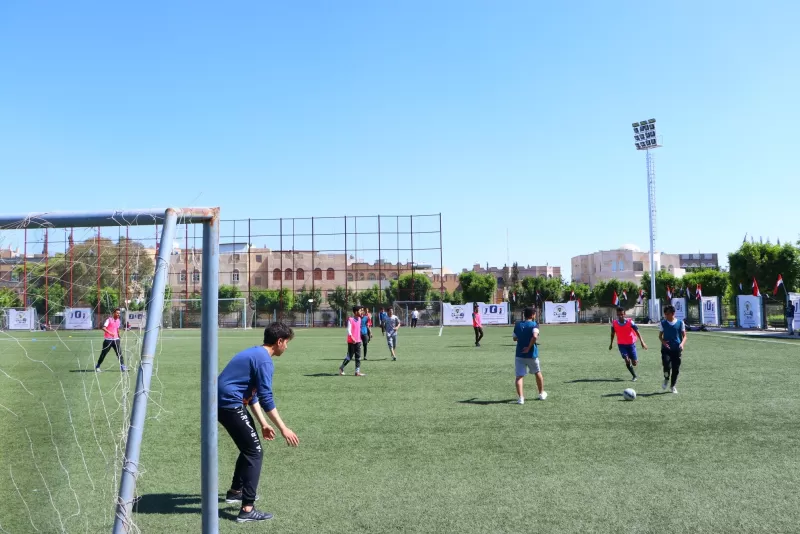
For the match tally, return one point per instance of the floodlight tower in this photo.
(644, 135)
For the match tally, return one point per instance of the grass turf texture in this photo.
(431, 443)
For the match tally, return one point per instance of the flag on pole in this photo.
(756, 292)
(687, 293)
(616, 299)
(579, 304)
(625, 294)
(778, 284)
(640, 300)
(572, 295)
(740, 287)
(538, 296)
(669, 293)
(698, 292)
(514, 296)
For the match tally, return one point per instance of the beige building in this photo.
(627, 263)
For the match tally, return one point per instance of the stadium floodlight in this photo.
(645, 138)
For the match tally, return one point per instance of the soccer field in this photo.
(433, 442)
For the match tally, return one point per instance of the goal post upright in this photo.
(168, 217)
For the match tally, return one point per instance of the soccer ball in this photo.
(629, 394)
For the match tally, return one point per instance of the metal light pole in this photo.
(644, 134)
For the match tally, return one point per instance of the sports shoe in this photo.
(98, 370)
(634, 379)
(394, 358)
(521, 400)
(664, 385)
(674, 389)
(359, 373)
(234, 496)
(542, 395)
(122, 368)
(341, 371)
(252, 515)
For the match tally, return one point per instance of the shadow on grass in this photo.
(474, 400)
(317, 375)
(654, 394)
(583, 380)
(174, 503)
(81, 370)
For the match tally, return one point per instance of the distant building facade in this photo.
(699, 260)
(626, 263)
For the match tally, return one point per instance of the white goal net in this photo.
(187, 313)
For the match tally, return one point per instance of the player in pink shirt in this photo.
(353, 341)
(477, 324)
(111, 341)
(627, 332)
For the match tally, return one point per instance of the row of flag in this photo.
(684, 292)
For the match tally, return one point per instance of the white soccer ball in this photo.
(629, 394)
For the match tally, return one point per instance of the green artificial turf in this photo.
(433, 442)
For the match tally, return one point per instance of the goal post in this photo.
(187, 313)
(168, 218)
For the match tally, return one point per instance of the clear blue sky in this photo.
(500, 115)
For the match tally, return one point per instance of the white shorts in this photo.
(524, 366)
(391, 340)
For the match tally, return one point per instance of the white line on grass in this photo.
(744, 336)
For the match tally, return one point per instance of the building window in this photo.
(349, 277)
(14, 276)
(287, 274)
(317, 274)
(638, 266)
(360, 276)
(236, 257)
(196, 276)
(259, 258)
(614, 266)
(258, 280)
(695, 256)
(394, 276)
(663, 267)
(182, 277)
(621, 265)
(372, 276)
(276, 274)
(329, 294)
(134, 277)
(331, 274)
(383, 276)
(235, 276)
(670, 268)
(301, 274)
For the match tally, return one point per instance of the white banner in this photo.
(748, 311)
(794, 298)
(21, 319)
(136, 319)
(679, 303)
(709, 311)
(559, 312)
(461, 314)
(78, 318)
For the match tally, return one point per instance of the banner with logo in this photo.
(461, 314)
(136, 319)
(794, 298)
(78, 319)
(679, 303)
(21, 319)
(748, 311)
(709, 311)
(559, 312)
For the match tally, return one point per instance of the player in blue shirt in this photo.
(526, 333)
(247, 381)
(366, 330)
(672, 334)
(382, 318)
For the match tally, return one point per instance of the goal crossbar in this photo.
(168, 217)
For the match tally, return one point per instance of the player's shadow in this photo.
(317, 375)
(175, 503)
(474, 400)
(654, 394)
(585, 380)
(82, 371)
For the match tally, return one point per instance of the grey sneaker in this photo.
(252, 515)
(234, 496)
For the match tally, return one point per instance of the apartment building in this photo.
(627, 263)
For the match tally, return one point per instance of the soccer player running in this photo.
(353, 342)
(672, 334)
(382, 317)
(477, 324)
(111, 341)
(392, 325)
(627, 332)
(247, 381)
(526, 334)
(366, 330)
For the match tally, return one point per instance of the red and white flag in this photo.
(756, 292)
(740, 287)
(778, 284)
(624, 294)
(640, 300)
(579, 304)
(669, 293)
(698, 293)
(572, 295)
(616, 299)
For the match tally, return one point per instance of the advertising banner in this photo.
(559, 312)
(20, 319)
(748, 311)
(679, 303)
(78, 319)
(709, 311)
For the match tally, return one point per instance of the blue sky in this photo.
(503, 116)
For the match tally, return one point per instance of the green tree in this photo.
(604, 293)
(549, 289)
(9, 298)
(109, 299)
(371, 298)
(273, 300)
(713, 282)
(414, 287)
(663, 279)
(477, 287)
(582, 292)
(341, 300)
(51, 298)
(301, 303)
(764, 262)
(230, 292)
